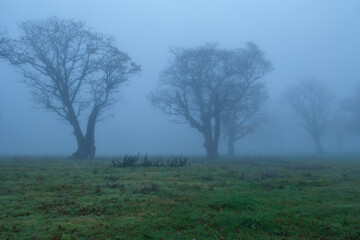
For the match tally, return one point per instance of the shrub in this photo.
(131, 161)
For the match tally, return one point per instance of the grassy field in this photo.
(243, 198)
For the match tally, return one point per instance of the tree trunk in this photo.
(86, 146)
(79, 154)
(90, 134)
(212, 133)
(231, 140)
(212, 153)
(80, 146)
(86, 150)
(217, 129)
(318, 145)
(210, 145)
(79, 137)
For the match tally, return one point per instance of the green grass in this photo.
(243, 198)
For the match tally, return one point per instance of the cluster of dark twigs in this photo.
(134, 161)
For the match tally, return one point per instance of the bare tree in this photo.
(200, 83)
(352, 107)
(315, 105)
(71, 71)
(244, 117)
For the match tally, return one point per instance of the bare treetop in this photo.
(61, 58)
(314, 102)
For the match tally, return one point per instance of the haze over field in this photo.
(302, 39)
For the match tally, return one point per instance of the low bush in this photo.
(132, 161)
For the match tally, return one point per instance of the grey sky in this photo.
(303, 38)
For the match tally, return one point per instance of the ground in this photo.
(287, 197)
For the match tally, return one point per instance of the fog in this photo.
(302, 39)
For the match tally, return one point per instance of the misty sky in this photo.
(304, 38)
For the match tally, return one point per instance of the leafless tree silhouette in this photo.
(71, 71)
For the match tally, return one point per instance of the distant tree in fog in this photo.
(201, 83)
(71, 71)
(352, 106)
(244, 117)
(315, 105)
